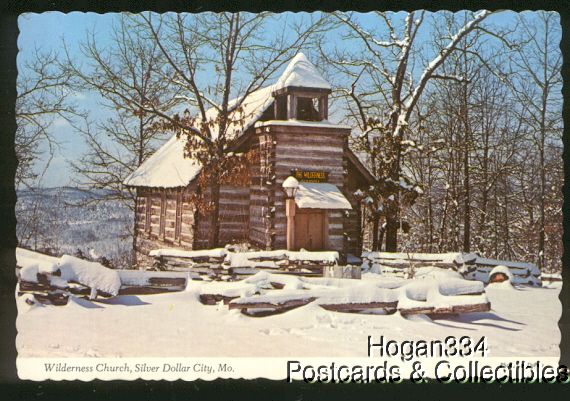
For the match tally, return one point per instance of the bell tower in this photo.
(304, 104)
(301, 93)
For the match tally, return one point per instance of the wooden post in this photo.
(352, 272)
(323, 107)
(291, 106)
(290, 212)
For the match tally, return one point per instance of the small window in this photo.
(307, 109)
(281, 107)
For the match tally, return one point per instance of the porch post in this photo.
(290, 212)
(290, 187)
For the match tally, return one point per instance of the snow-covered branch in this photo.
(440, 58)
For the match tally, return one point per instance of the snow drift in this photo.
(91, 274)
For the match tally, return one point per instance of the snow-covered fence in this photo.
(471, 266)
(522, 272)
(223, 264)
(137, 282)
(438, 294)
(405, 264)
(53, 280)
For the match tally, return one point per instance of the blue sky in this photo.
(47, 31)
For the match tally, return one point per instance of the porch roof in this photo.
(320, 196)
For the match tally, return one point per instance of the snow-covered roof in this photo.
(168, 168)
(301, 73)
(320, 196)
(252, 108)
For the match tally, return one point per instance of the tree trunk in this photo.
(214, 233)
(466, 177)
(392, 215)
(381, 237)
(375, 229)
(542, 234)
(430, 209)
(391, 233)
(484, 192)
(135, 233)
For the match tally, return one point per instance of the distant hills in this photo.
(62, 220)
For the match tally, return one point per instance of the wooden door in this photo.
(310, 230)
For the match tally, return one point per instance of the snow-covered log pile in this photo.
(269, 304)
(442, 293)
(224, 264)
(405, 265)
(206, 262)
(52, 279)
(265, 294)
(138, 282)
(470, 265)
(522, 273)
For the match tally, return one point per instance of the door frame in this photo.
(325, 234)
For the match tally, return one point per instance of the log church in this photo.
(287, 124)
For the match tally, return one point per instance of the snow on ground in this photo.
(523, 322)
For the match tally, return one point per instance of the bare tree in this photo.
(387, 63)
(43, 95)
(126, 74)
(537, 84)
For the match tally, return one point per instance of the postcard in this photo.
(324, 196)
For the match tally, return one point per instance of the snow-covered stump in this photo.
(500, 274)
(348, 271)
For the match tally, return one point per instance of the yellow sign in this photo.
(310, 175)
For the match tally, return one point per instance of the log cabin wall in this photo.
(167, 218)
(306, 148)
(233, 217)
(261, 189)
(163, 218)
